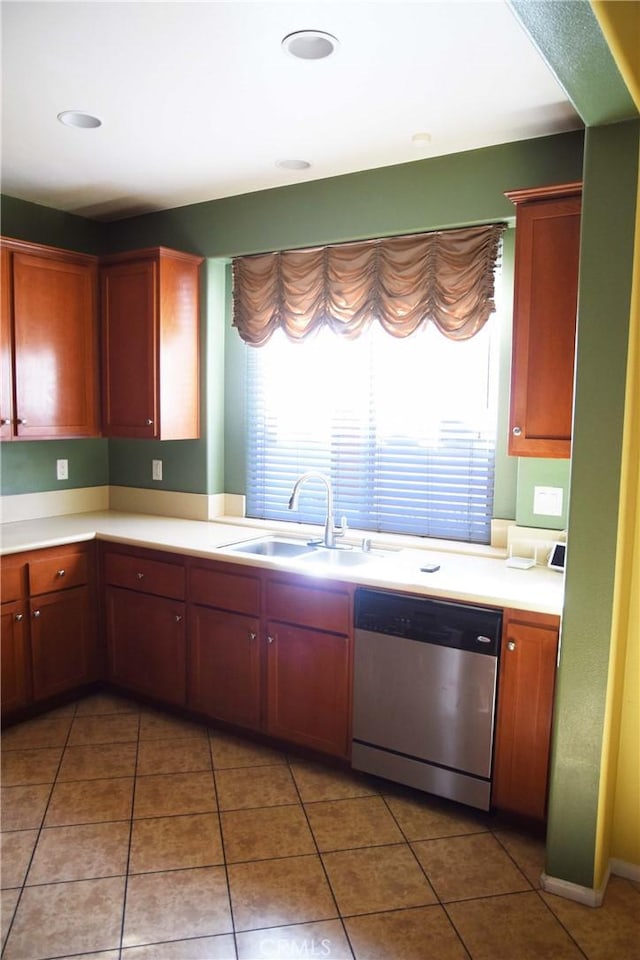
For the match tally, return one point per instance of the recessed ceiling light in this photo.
(310, 44)
(75, 118)
(293, 164)
(421, 139)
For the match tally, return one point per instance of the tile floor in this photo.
(131, 835)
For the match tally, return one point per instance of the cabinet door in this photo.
(224, 665)
(55, 343)
(129, 310)
(525, 708)
(146, 644)
(62, 641)
(6, 347)
(14, 657)
(308, 687)
(544, 327)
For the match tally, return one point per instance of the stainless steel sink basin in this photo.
(341, 558)
(306, 554)
(273, 547)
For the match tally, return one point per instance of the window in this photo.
(405, 428)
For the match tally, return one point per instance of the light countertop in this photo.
(461, 577)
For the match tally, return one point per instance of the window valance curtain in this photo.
(445, 277)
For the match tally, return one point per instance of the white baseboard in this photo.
(621, 868)
(589, 896)
(53, 503)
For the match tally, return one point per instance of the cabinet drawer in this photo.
(308, 606)
(144, 575)
(58, 571)
(11, 580)
(228, 591)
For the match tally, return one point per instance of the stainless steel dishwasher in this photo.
(425, 679)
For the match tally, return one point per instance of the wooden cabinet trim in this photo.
(549, 192)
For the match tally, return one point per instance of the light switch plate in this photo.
(62, 469)
(548, 501)
(156, 469)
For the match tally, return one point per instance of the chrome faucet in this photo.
(330, 531)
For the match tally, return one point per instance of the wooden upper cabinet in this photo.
(49, 353)
(150, 336)
(544, 321)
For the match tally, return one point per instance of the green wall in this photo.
(428, 194)
(424, 195)
(606, 274)
(29, 466)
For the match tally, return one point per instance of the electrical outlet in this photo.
(62, 469)
(156, 469)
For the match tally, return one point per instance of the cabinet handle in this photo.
(269, 639)
(60, 573)
(511, 645)
(517, 431)
(18, 617)
(178, 618)
(36, 614)
(148, 422)
(140, 576)
(252, 636)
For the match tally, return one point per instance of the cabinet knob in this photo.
(517, 431)
(140, 576)
(148, 422)
(36, 614)
(18, 617)
(178, 618)
(19, 421)
(60, 573)
(252, 636)
(269, 639)
(511, 645)
(4, 422)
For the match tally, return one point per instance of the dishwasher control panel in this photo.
(424, 620)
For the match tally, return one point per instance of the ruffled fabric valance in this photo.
(445, 277)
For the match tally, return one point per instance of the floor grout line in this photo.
(520, 862)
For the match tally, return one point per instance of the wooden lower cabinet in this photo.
(308, 690)
(15, 689)
(49, 624)
(524, 715)
(146, 644)
(224, 665)
(62, 641)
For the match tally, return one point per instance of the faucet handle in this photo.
(342, 529)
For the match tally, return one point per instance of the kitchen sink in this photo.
(273, 547)
(308, 554)
(340, 558)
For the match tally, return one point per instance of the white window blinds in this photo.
(405, 428)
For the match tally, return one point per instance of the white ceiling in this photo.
(198, 100)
